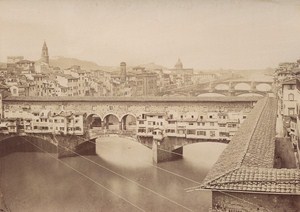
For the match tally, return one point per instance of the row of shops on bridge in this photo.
(43, 122)
(193, 125)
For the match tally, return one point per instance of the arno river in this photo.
(126, 179)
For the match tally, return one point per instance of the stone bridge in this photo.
(115, 111)
(229, 88)
(62, 145)
(120, 107)
(169, 148)
(250, 85)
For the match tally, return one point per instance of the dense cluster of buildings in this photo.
(23, 77)
(45, 121)
(287, 78)
(211, 125)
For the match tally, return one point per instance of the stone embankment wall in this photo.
(249, 202)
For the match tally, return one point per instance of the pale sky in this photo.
(204, 34)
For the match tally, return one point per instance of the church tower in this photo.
(123, 71)
(45, 55)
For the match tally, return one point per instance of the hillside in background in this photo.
(64, 63)
(152, 66)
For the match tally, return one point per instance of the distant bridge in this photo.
(228, 88)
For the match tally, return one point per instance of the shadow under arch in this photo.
(28, 143)
(111, 121)
(93, 120)
(129, 122)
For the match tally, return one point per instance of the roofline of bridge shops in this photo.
(130, 99)
(238, 191)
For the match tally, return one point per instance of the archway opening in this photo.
(242, 86)
(264, 87)
(93, 121)
(222, 87)
(111, 122)
(128, 123)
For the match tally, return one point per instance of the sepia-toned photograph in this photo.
(159, 106)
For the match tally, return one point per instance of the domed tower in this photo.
(123, 71)
(179, 64)
(45, 55)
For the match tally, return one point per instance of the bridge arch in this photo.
(93, 120)
(242, 86)
(30, 143)
(111, 121)
(221, 86)
(129, 122)
(263, 87)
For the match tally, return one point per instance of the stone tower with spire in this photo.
(45, 55)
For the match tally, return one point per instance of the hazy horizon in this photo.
(206, 35)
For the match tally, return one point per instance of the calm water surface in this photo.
(39, 182)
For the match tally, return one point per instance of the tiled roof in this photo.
(284, 181)
(247, 162)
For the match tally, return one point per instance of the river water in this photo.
(122, 178)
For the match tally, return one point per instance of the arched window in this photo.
(291, 97)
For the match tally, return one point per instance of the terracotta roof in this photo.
(283, 181)
(247, 162)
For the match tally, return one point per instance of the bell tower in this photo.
(45, 55)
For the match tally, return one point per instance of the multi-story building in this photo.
(45, 121)
(147, 122)
(36, 84)
(288, 91)
(25, 67)
(11, 62)
(146, 84)
(193, 125)
(70, 82)
(81, 75)
(289, 95)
